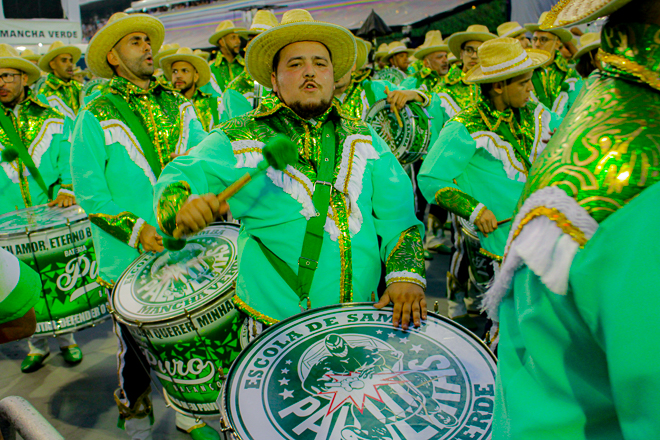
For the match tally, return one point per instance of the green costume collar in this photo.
(220, 58)
(493, 117)
(454, 75)
(55, 83)
(271, 104)
(125, 88)
(27, 102)
(632, 51)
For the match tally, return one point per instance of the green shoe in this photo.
(204, 433)
(72, 354)
(466, 321)
(33, 362)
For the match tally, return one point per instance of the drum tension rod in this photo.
(435, 307)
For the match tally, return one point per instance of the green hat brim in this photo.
(421, 53)
(23, 65)
(44, 62)
(476, 75)
(216, 37)
(456, 40)
(196, 61)
(564, 35)
(261, 51)
(109, 35)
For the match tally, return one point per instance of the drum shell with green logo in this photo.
(435, 382)
(408, 142)
(190, 342)
(480, 269)
(57, 243)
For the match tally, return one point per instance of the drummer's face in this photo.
(437, 61)
(133, 54)
(470, 54)
(518, 90)
(401, 61)
(12, 92)
(304, 78)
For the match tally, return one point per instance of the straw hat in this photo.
(381, 52)
(504, 58)
(510, 29)
(564, 35)
(118, 26)
(573, 12)
(396, 47)
(476, 32)
(186, 54)
(202, 54)
(588, 42)
(165, 50)
(224, 28)
(27, 54)
(432, 43)
(9, 58)
(362, 53)
(263, 20)
(298, 25)
(56, 49)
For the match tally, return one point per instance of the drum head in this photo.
(395, 76)
(38, 218)
(158, 287)
(343, 372)
(383, 120)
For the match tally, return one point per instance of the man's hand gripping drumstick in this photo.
(199, 212)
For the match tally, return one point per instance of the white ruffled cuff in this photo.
(476, 212)
(135, 234)
(404, 276)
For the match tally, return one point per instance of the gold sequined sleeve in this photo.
(170, 202)
(405, 263)
(125, 226)
(456, 201)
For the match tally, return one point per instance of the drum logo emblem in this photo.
(331, 380)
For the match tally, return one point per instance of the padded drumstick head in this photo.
(280, 151)
(9, 155)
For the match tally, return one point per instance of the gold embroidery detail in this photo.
(556, 216)
(242, 305)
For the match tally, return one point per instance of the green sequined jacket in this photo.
(64, 96)
(454, 93)
(209, 109)
(557, 85)
(371, 197)
(45, 133)
(222, 73)
(110, 169)
(424, 79)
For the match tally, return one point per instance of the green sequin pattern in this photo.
(408, 254)
(169, 204)
(456, 201)
(119, 226)
(224, 72)
(32, 115)
(68, 92)
(606, 151)
(353, 104)
(455, 86)
(203, 102)
(243, 83)
(553, 80)
(426, 79)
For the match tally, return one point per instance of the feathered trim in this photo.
(135, 233)
(448, 104)
(115, 130)
(330, 226)
(297, 185)
(39, 146)
(357, 149)
(248, 153)
(502, 151)
(560, 103)
(542, 132)
(545, 236)
(56, 102)
(186, 115)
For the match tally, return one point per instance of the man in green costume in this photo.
(478, 166)
(433, 54)
(188, 72)
(576, 297)
(43, 134)
(228, 63)
(397, 57)
(454, 92)
(344, 191)
(121, 142)
(243, 84)
(556, 85)
(59, 88)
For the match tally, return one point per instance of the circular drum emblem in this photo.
(383, 120)
(160, 286)
(343, 372)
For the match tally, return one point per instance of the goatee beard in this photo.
(310, 110)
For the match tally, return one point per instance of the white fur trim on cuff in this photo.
(67, 192)
(135, 235)
(475, 213)
(405, 277)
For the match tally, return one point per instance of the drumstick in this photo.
(395, 110)
(501, 222)
(279, 152)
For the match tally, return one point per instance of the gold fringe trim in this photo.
(252, 312)
(556, 216)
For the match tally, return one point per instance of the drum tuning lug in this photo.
(435, 307)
